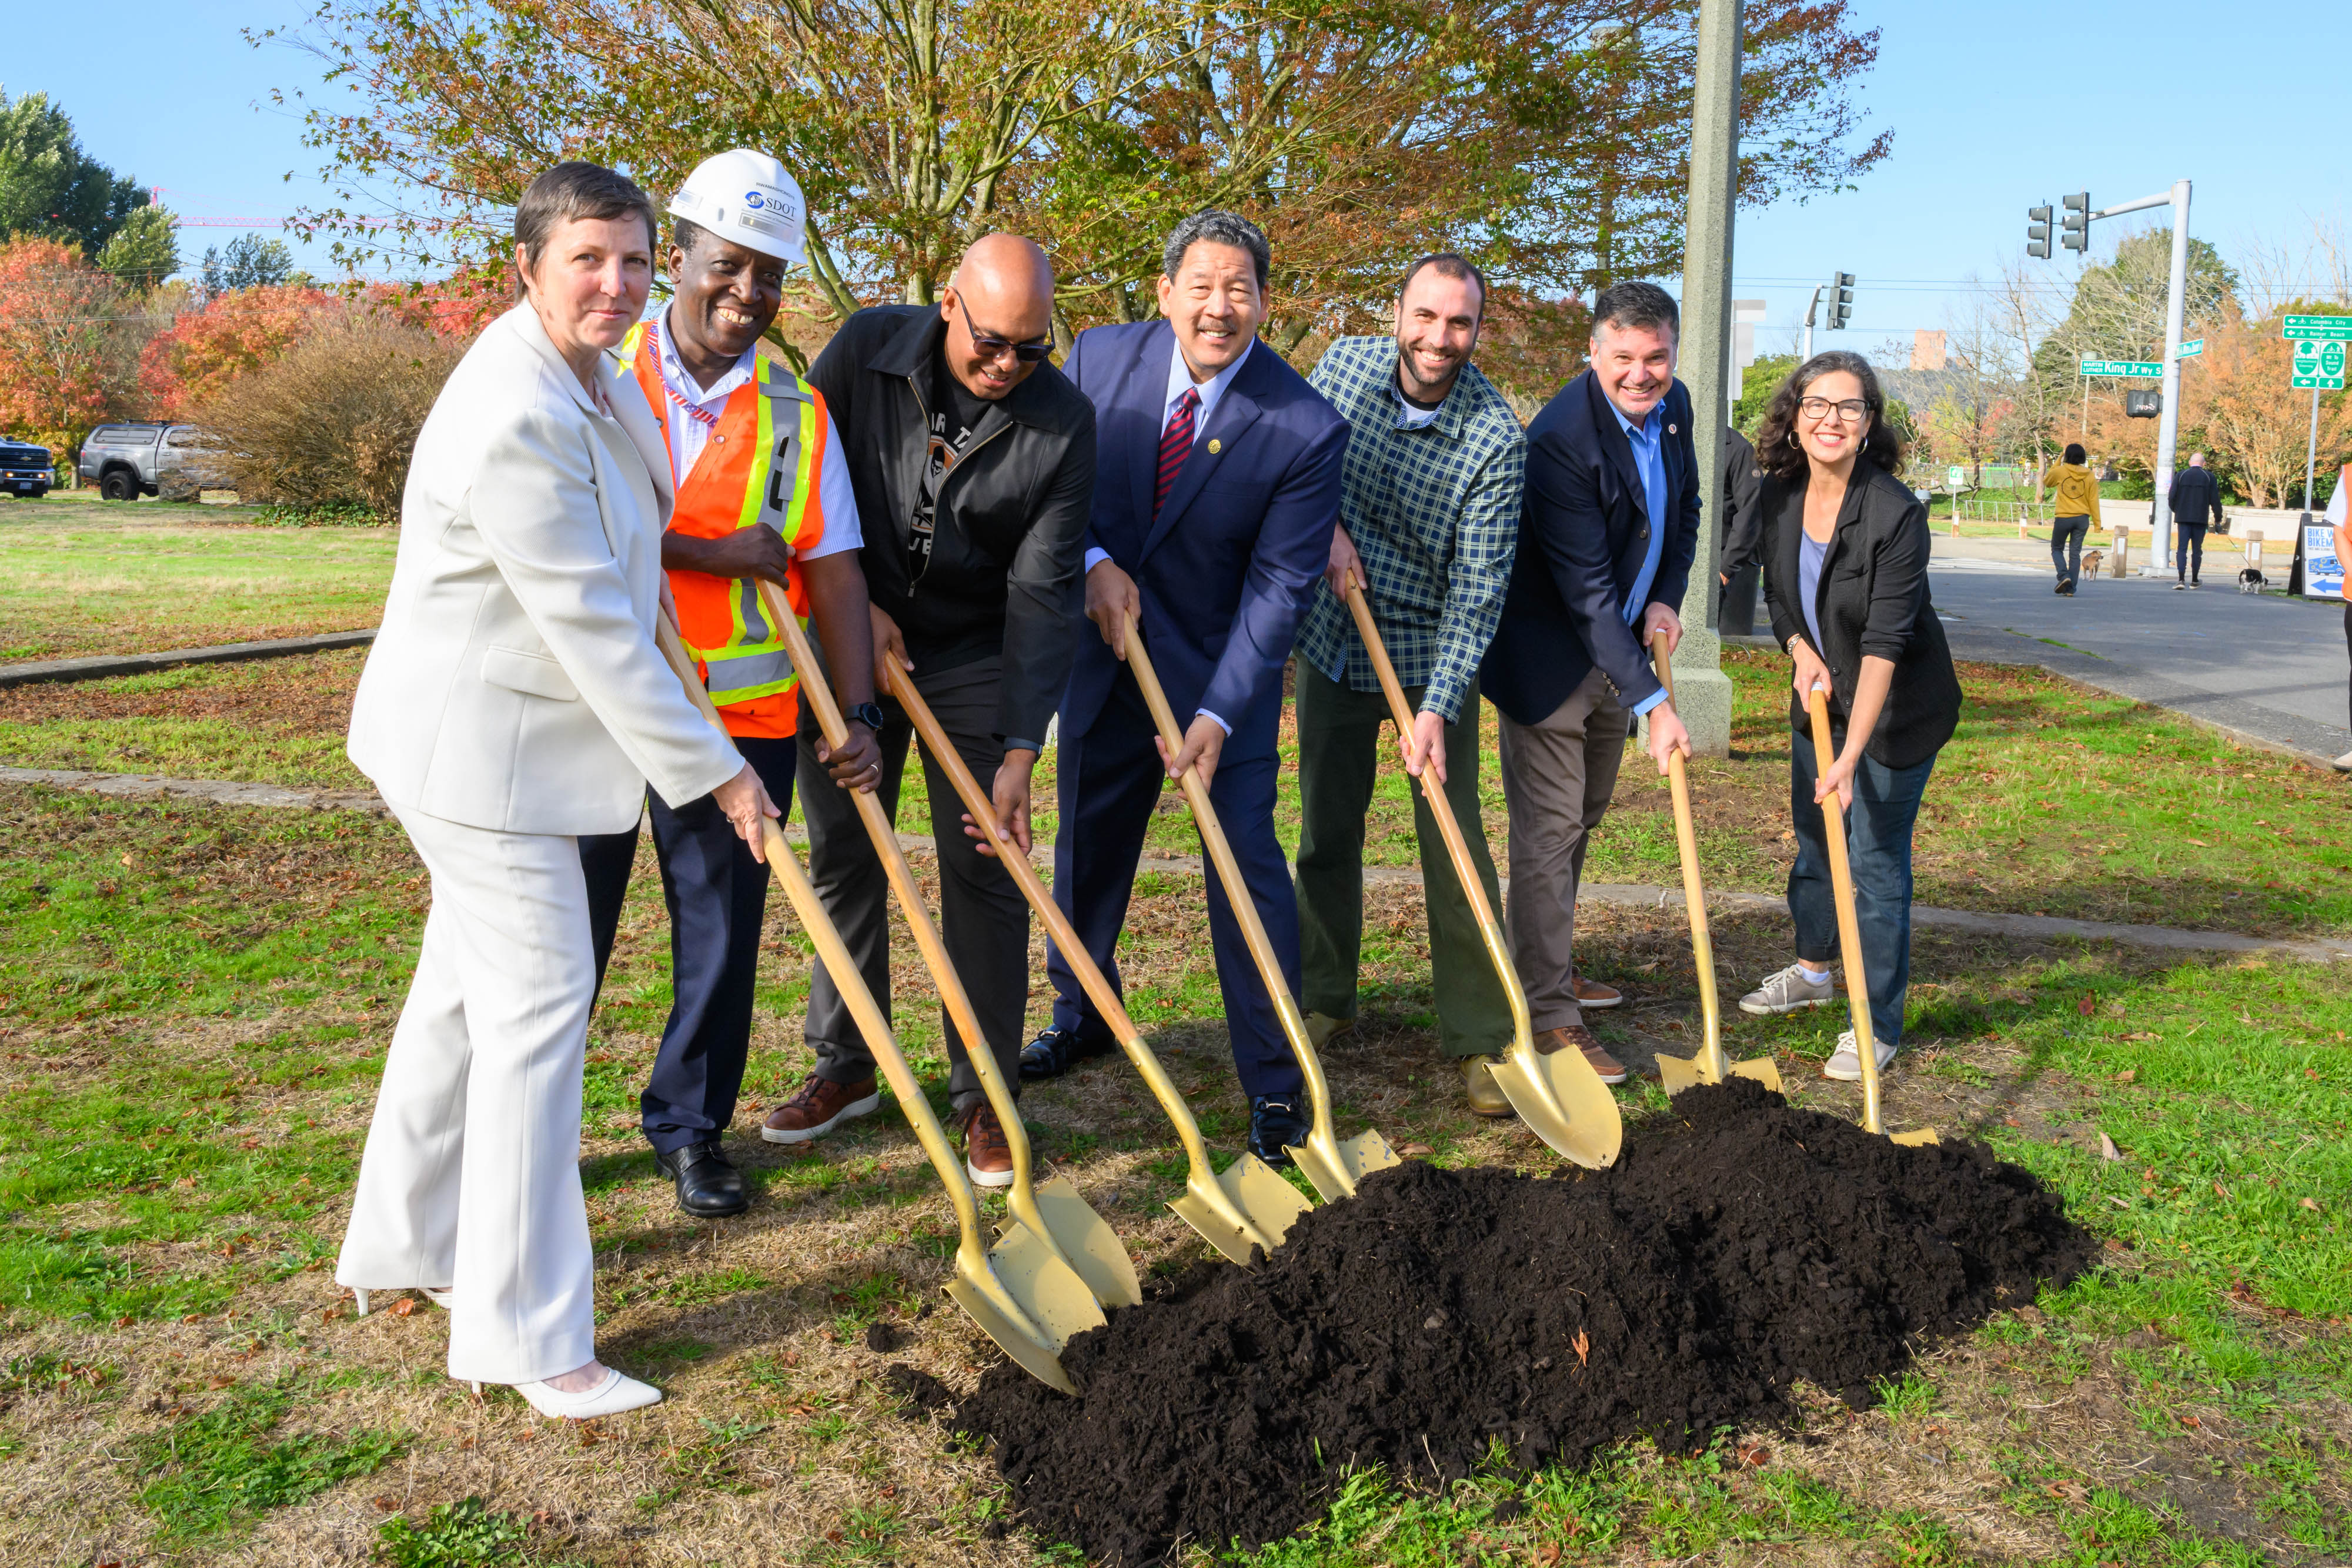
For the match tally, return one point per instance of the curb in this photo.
(229, 792)
(109, 665)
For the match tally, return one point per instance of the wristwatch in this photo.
(868, 714)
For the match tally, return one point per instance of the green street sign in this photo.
(1954, 478)
(2319, 365)
(2323, 327)
(2190, 350)
(2138, 368)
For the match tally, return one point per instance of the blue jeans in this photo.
(2067, 548)
(1878, 848)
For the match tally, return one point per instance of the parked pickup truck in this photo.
(149, 458)
(26, 469)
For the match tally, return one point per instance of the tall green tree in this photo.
(145, 251)
(50, 187)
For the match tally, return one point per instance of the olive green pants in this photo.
(1342, 749)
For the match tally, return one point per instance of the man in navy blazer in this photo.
(1608, 529)
(1216, 492)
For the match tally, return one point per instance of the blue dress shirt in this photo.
(1650, 460)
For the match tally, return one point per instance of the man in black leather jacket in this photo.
(2196, 505)
(974, 460)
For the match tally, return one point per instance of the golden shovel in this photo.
(1560, 1097)
(1054, 1214)
(1247, 1207)
(1021, 1294)
(1710, 1064)
(1857, 990)
(1335, 1167)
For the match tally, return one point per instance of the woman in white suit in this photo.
(514, 699)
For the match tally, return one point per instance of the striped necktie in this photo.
(1173, 445)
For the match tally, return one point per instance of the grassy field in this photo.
(79, 576)
(193, 1002)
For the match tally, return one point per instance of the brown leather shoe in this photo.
(1594, 994)
(817, 1108)
(1487, 1097)
(1611, 1070)
(987, 1156)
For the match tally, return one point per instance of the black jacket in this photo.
(1873, 600)
(1011, 522)
(1584, 529)
(1743, 529)
(2196, 498)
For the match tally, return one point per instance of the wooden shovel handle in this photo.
(1694, 890)
(1857, 987)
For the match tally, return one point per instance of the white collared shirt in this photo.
(837, 501)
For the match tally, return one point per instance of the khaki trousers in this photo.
(1557, 777)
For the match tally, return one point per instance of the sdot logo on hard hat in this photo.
(754, 200)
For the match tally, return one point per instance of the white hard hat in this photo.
(747, 198)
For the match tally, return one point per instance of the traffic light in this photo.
(2037, 233)
(2143, 404)
(2077, 235)
(1841, 300)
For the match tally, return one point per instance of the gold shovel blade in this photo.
(1270, 1204)
(1680, 1074)
(1038, 1360)
(1914, 1140)
(1563, 1102)
(1335, 1165)
(1045, 1288)
(1088, 1243)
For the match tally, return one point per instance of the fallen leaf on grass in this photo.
(2087, 1003)
(2311, 1204)
(1412, 1151)
(2201, 844)
(1582, 1344)
(2128, 1075)
(1547, 1555)
(2107, 1150)
(403, 1307)
(2220, 1191)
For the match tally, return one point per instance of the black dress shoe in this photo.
(1275, 1126)
(708, 1184)
(1055, 1053)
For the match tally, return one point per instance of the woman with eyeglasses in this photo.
(1845, 567)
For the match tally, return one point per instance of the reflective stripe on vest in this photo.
(785, 439)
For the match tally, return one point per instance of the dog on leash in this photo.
(2252, 580)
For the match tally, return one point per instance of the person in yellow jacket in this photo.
(763, 494)
(2078, 513)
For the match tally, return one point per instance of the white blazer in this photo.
(515, 684)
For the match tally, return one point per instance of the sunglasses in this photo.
(991, 346)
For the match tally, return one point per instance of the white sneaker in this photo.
(1846, 1065)
(617, 1393)
(2343, 763)
(1787, 991)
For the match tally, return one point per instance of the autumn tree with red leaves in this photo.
(69, 341)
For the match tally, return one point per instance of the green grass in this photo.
(78, 578)
(461, 1534)
(218, 1469)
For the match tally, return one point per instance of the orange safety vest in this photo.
(759, 467)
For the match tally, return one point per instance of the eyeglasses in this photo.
(990, 345)
(1817, 409)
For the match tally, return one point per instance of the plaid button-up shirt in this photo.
(1434, 512)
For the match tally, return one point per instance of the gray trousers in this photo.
(1557, 777)
(982, 917)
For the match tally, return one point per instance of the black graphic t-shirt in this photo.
(955, 420)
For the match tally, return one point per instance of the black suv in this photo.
(26, 469)
(149, 458)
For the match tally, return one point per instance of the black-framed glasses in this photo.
(990, 345)
(1817, 409)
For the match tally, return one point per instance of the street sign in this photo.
(2191, 348)
(2135, 368)
(2337, 327)
(1954, 478)
(2319, 365)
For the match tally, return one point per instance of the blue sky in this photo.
(1995, 105)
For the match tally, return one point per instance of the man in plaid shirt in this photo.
(1429, 520)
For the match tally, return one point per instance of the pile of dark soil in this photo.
(1736, 1247)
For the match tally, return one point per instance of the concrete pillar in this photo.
(1702, 691)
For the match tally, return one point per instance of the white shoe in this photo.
(2343, 763)
(1788, 990)
(617, 1393)
(440, 1299)
(1846, 1065)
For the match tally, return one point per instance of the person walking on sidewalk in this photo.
(2077, 513)
(1606, 533)
(1429, 513)
(1846, 571)
(762, 495)
(2338, 517)
(2196, 505)
(974, 459)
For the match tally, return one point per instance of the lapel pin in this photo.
(1670, 430)
(1215, 446)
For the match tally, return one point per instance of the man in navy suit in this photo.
(1216, 491)
(1607, 532)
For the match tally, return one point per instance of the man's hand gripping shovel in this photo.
(1023, 1296)
(1560, 1097)
(1052, 1218)
(1710, 1065)
(1249, 1207)
(1857, 989)
(1334, 1166)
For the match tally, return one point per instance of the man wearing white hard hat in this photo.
(763, 491)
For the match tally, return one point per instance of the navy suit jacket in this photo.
(1584, 529)
(1225, 571)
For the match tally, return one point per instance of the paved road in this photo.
(2271, 667)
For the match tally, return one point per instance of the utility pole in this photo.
(1702, 691)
